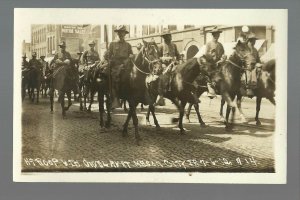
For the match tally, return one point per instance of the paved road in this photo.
(79, 144)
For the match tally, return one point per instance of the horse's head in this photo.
(207, 64)
(245, 55)
(150, 54)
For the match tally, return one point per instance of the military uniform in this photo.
(25, 64)
(45, 66)
(215, 49)
(34, 63)
(118, 54)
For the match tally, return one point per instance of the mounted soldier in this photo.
(34, 63)
(90, 58)
(170, 56)
(119, 53)
(216, 50)
(44, 63)
(253, 70)
(25, 63)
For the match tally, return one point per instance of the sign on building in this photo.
(74, 31)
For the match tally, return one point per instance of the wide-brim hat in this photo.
(79, 53)
(121, 28)
(92, 42)
(165, 32)
(33, 53)
(252, 36)
(62, 44)
(24, 56)
(215, 30)
(42, 56)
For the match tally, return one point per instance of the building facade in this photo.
(188, 38)
(46, 38)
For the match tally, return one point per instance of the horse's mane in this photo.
(182, 68)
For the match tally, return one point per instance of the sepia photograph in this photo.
(153, 98)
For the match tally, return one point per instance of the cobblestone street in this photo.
(77, 143)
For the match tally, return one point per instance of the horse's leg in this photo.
(125, 107)
(85, 94)
(272, 100)
(258, 103)
(125, 126)
(202, 124)
(101, 108)
(227, 125)
(61, 98)
(69, 95)
(181, 114)
(108, 109)
(239, 106)
(51, 94)
(187, 115)
(91, 100)
(152, 109)
(135, 123)
(148, 117)
(221, 110)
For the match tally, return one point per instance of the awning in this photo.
(228, 48)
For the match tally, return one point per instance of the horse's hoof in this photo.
(107, 124)
(182, 132)
(228, 128)
(258, 123)
(148, 123)
(81, 109)
(138, 142)
(124, 133)
(89, 110)
(203, 125)
(51, 112)
(188, 120)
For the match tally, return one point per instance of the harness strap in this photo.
(146, 73)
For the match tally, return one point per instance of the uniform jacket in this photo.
(119, 51)
(90, 57)
(169, 50)
(217, 46)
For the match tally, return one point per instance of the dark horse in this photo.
(229, 79)
(65, 80)
(182, 85)
(133, 86)
(34, 83)
(265, 88)
(200, 84)
(99, 83)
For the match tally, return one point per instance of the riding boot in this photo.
(250, 92)
(196, 99)
(211, 91)
(115, 98)
(160, 101)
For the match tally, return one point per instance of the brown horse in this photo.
(229, 79)
(182, 85)
(65, 80)
(132, 86)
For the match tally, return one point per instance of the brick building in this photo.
(46, 37)
(188, 38)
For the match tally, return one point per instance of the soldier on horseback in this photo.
(216, 50)
(34, 63)
(169, 55)
(63, 58)
(90, 58)
(253, 69)
(118, 54)
(25, 63)
(44, 63)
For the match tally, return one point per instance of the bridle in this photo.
(150, 63)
